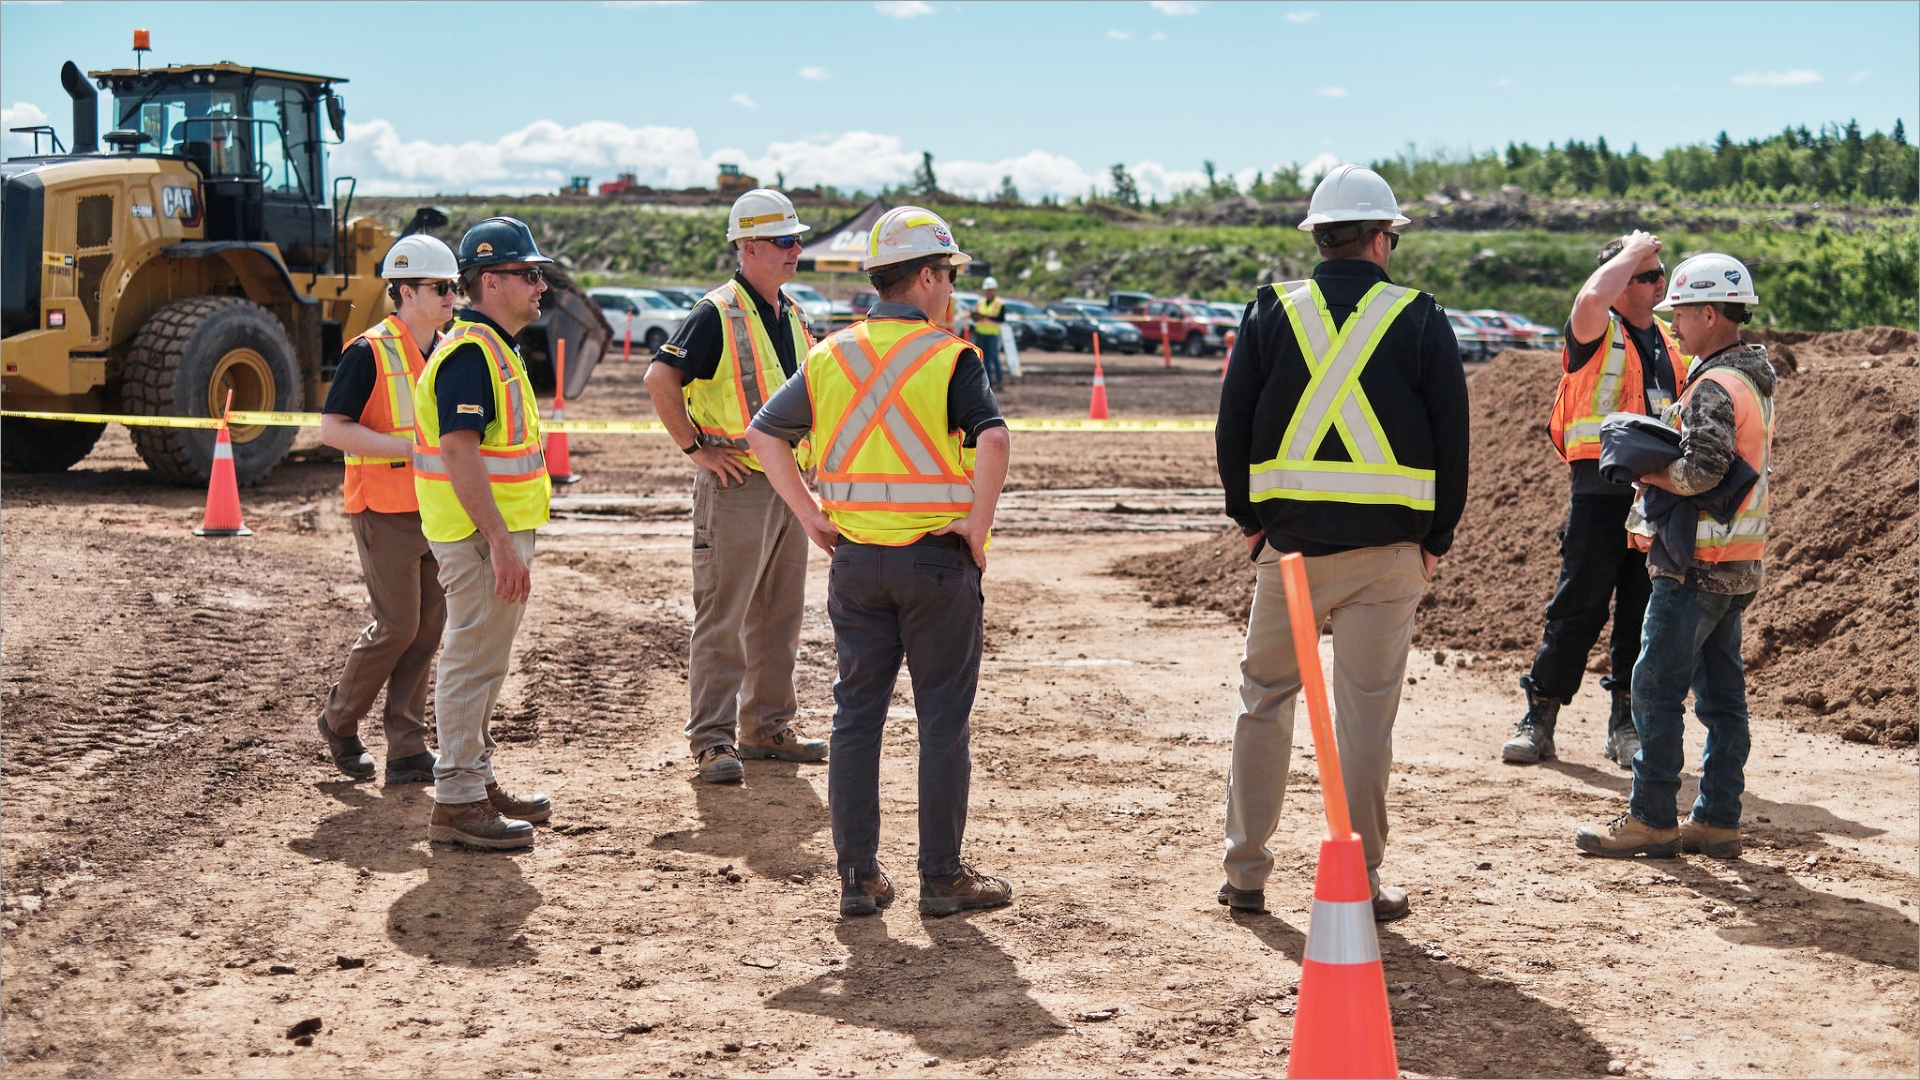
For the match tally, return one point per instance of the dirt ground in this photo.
(186, 878)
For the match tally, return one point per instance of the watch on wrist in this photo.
(691, 449)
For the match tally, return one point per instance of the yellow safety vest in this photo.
(510, 446)
(891, 469)
(747, 375)
(1333, 403)
(989, 309)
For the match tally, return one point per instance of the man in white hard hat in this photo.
(739, 345)
(988, 317)
(1690, 638)
(1619, 357)
(896, 409)
(369, 416)
(1342, 437)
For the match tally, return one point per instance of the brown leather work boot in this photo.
(864, 895)
(787, 745)
(477, 824)
(1627, 836)
(1702, 838)
(533, 809)
(966, 890)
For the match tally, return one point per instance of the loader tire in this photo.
(185, 359)
(45, 446)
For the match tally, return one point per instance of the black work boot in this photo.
(1623, 741)
(1533, 741)
(348, 752)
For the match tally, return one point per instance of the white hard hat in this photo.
(1712, 278)
(1351, 193)
(906, 233)
(990, 283)
(761, 214)
(420, 256)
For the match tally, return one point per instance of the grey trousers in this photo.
(394, 651)
(1371, 594)
(473, 665)
(921, 603)
(749, 594)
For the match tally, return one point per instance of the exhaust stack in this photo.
(86, 109)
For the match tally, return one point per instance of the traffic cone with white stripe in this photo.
(559, 455)
(1097, 407)
(1343, 1027)
(223, 492)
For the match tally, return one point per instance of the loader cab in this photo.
(254, 134)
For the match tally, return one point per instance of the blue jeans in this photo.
(1690, 640)
(990, 354)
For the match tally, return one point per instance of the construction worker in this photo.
(1342, 437)
(1618, 357)
(1690, 638)
(896, 407)
(369, 417)
(740, 344)
(483, 489)
(987, 319)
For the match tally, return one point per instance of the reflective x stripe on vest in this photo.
(509, 448)
(748, 373)
(1618, 382)
(385, 484)
(1333, 403)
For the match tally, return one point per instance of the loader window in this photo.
(287, 151)
(164, 119)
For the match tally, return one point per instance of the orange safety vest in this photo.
(1612, 380)
(1744, 539)
(385, 485)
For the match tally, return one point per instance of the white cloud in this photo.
(745, 102)
(1796, 77)
(21, 114)
(1175, 7)
(1859, 76)
(1320, 164)
(1332, 91)
(815, 73)
(1300, 16)
(1158, 35)
(1118, 35)
(903, 9)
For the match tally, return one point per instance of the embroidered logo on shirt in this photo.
(469, 410)
(673, 350)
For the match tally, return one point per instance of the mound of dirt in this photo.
(1829, 642)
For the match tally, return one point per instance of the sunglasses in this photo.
(532, 275)
(1393, 238)
(1650, 276)
(784, 243)
(442, 288)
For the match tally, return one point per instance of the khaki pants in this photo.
(409, 610)
(1371, 593)
(749, 593)
(473, 665)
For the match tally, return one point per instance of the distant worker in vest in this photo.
(1691, 635)
(1342, 437)
(740, 344)
(988, 318)
(1618, 357)
(483, 489)
(897, 408)
(369, 417)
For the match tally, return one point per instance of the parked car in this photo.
(1527, 333)
(1032, 329)
(1499, 338)
(1475, 343)
(1230, 310)
(1127, 302)
(643, 316)
(1081, 319)
(682, 295)
(816, 309)
(863, 302)
(1192, 325)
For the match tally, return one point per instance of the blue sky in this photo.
(499, 97)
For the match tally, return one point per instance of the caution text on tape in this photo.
(571, 427)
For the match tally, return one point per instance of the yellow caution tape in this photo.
(572, 427)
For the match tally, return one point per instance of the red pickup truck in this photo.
(1194, 328)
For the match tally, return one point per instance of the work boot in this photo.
(1623, 741)
(1254, 900)
(1627, 836)
(864, 895)
(719, 765)
(787, 745)
(412, 769)
(1700, 838)
(965, 890)
(477, 824)
(533, 809)
(1533, 741)
(1389, 903)
(349, 753)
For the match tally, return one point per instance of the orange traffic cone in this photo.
(1097, 407)
(559, 455)
(223, 492)
(1343, 1027)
